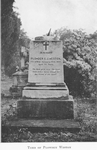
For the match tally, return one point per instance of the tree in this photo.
(24, 40)
(10, 30)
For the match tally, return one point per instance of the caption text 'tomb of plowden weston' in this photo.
(49, 147)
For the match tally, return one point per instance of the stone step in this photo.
(70, 125)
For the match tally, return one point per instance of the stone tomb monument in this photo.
(46, 95)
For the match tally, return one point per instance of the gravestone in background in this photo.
(46, 95)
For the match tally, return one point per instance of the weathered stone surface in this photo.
(69, 125)
(45, 108)
(44, 91)
(20, 78)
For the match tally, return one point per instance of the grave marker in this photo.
(46, 95)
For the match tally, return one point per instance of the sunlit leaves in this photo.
(80, 55)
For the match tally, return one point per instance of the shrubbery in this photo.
(80, 54)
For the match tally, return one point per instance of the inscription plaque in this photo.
(46, 62)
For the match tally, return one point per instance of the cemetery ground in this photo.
(86, 115)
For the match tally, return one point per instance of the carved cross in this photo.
(45, 44)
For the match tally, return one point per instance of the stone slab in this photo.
(46, 91)
(70, 125)
(46, 62)
(45, 108)
(43, 93)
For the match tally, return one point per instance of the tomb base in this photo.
(46, 108)
(50, 101)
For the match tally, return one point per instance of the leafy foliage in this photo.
(24, 40)
(80, 54)
(10, 27)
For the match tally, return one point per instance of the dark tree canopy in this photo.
(10, 30)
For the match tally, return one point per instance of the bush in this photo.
(80, 53)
